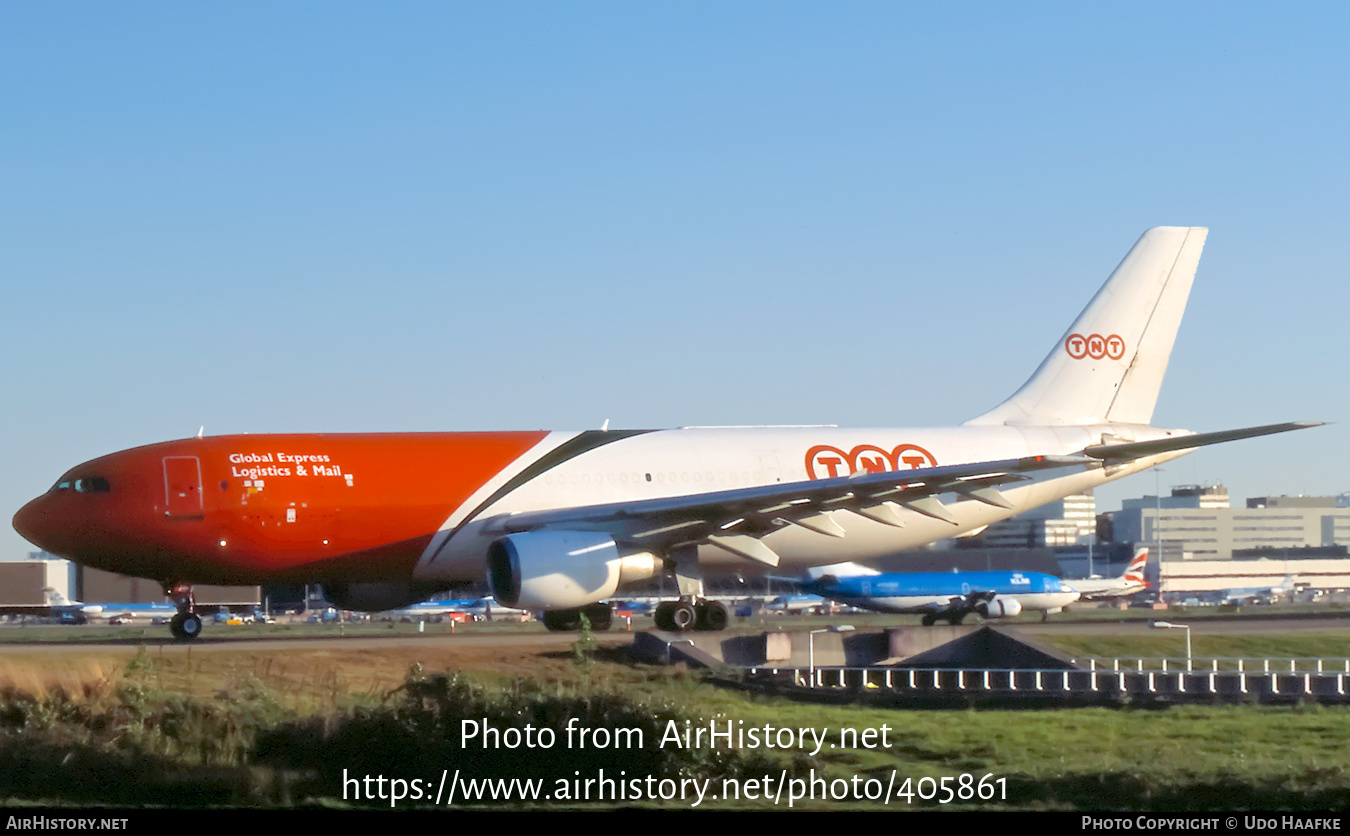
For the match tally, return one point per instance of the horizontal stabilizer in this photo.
(1140, 449)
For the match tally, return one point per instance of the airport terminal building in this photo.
(1203, 547)
(44, 579)
(1208, 531)
(1199, 545)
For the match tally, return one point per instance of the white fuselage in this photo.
(690, 461)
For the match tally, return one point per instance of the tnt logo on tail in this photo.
(1095, 346)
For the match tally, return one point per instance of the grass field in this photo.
(243, 728)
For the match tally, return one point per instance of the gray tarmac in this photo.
(222, 642)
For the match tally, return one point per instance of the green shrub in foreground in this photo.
(134, 745)
(448, 722)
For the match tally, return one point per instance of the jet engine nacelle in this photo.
(374, 597)
(557, 570)
(1001, 607)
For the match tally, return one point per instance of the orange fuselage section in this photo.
(256, 508)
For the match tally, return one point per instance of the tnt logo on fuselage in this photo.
(1095, 346)
(825, 462)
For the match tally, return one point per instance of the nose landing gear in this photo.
(186, 625)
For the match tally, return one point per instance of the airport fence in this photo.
(1095, 681)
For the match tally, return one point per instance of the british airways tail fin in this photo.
(1134, 573)
(1110, 364)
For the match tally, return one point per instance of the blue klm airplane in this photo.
(947, 596)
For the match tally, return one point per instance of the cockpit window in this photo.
(91, 484)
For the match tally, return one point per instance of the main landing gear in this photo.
(692, 611)
(186, 625)
(671, 616)
(953, 619)
(682, 615)
(600, 616)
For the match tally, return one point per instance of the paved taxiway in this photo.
(208, 644)
(560, 642)
(1199, 626)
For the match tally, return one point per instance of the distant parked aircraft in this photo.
(1130, 582)
(794, 603)
(435, 609)
(1260, 594)
(941, 596)
(57, 606)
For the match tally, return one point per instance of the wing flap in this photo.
(734, 520)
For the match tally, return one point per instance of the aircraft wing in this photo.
(1106, 593)
(734, 520)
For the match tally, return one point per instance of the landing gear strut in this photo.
(186, 625)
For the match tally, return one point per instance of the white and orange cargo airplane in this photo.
(560, 521)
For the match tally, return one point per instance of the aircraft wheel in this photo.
(929, 620)
(562, 620)
(683, 617)
(712, 616)
(186, 626)
(665, 616)
(599, 615)
(956, 618)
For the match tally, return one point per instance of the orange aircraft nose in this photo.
(36, 523)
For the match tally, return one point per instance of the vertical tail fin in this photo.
(1134, 573)
(1110, 364)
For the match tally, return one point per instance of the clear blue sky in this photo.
(437, 216)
